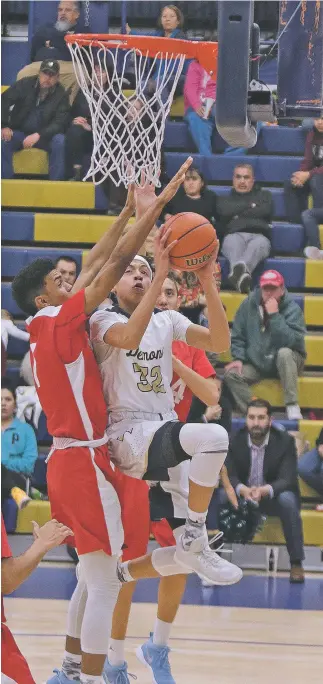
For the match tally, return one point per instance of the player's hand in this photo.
(51, 534)
(271, 306)
(176, 181)
(145, 196)
(205, 274)
(236, 366)
(161, 253)
(30, 141)
(130, 201)
(6, 134)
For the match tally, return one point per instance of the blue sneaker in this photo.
(60, 678)
(116, 674)
(156, 659)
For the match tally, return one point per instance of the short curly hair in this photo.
(29, 283)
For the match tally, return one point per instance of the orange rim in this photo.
(205, 53)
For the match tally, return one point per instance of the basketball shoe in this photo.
(155, 658)
(116, 674)
(194, 553)
(60, 678)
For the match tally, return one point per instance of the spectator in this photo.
(245, 216)
(199, 98)
(193, 196)
(310, 466)
(18, 447)
(268, 340)
(170, 25)
(262, 467)
(49, 43)
(310, 220)
(68, 267)
(34, 114)
(309, 179)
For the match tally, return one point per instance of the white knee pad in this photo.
(99, 573)
(164, 563)
(207, 444)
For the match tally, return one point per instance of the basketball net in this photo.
(127, 131)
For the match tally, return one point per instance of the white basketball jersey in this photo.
(138, 380)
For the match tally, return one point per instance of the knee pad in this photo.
(207, 445)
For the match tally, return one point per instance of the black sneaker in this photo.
(236, 274)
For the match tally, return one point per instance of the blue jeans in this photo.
(285, 506)
(201, 131)
(310, 220)
(310, 469)
(55, 148)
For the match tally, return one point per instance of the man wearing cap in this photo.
(268, 341)
(49, 43)
(35, 113)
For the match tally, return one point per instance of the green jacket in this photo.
(256, 339)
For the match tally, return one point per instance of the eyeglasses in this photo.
(240, 176)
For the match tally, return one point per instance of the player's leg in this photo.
(206, 447)
(133, 496)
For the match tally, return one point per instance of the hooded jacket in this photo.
(258, 336)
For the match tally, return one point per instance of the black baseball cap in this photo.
(50, 66)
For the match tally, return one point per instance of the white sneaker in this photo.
(313, 253)
(294, 412)
(206, 563)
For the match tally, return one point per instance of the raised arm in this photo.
(102, 250)
(129, 244)
(129, 335)
(216, 337)
(205, 389)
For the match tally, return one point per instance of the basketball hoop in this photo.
(128, 131)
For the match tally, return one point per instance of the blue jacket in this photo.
(19, 447)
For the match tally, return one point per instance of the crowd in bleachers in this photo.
(43, 110)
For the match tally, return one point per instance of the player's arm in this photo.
(129, 335)
(14, 571)
(128, 246)
(205, 389)
(216, 337)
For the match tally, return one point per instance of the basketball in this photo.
(197, 241)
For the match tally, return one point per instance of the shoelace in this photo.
(122, 677)
(162, 659)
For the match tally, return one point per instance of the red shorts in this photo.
(82, 493)
(134, 499)
(163, 533)
(13, 663)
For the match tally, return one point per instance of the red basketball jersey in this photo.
(198, 361)
(67, 377)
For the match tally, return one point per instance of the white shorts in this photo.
(129, 441)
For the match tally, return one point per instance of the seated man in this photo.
(268, 340)
(262, 467)
(34, 114)
(309, 179)
(310, 466)
(310, 220)
(49, 43)
(245, 216)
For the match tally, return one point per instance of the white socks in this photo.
(91, 679)
(197, 518)
(71, 666)
(161, 632)
(116, 654)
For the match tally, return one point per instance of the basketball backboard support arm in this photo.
(235, 20)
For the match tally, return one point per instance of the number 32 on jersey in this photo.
(152, 382)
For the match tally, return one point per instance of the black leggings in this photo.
(10, 479)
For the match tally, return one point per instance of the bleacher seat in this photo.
(39, 511)
(272, 532)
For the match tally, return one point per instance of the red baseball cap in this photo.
(271, 278)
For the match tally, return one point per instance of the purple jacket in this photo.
(313, 155)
